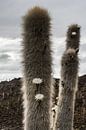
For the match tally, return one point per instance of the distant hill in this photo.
(11, 110)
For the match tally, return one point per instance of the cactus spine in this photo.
(37, 69)
(68, 82)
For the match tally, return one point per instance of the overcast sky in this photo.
(11, 57)
(62, 12)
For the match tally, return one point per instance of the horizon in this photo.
(11, 57)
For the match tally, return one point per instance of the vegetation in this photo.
(37, 70)
(35, 108)
(11, 108)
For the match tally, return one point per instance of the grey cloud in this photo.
(13, 67)
(10, 59)
(83, 60)
(4, 58)
(63, 13)
(83, 47)
(10, 68)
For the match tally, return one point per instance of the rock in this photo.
(11, 109)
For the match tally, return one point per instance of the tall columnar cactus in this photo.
(73, 36)
(68, 82)
(67, 90)
(37, 69)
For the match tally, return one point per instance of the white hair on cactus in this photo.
(54, 108)
(37, 81)
(57, 98)
(39, 97)
(74, 33)
(79, 26)
(70, 50)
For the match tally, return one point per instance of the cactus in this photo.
(37, 69)
(73, 36)
(68, 82)
(67, 90)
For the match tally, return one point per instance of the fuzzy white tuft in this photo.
(37, 81)
(79, 26)
(71, 50)
(57, 98)
(39, 97)
(54, 108)
(74, 33)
